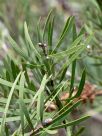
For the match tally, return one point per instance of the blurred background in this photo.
(88, 13)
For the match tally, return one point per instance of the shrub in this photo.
(36, 80)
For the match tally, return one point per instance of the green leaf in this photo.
(74, 32)
(75, 122)
(39, 38)
(54, 91)
(47, 23)
(29, 40)
(4, 101)
(81, 85)
(7, 104)
(21, 91)
(13, 67)
(82, 31)
(80, 131)
(32, 66)
(7, 75)
(73, 64)
(63, 109)
(64, 114)
(51, 132)
(74, 47)
(66, 30)
(6, 130)
(100, 4)
(72, 77)
(40, 102)
(65, 53)
(17, 49)
(9, 84)
(50, 34)
(71, 59)
(26, 113)
(11, 119)
(54, 94)
(63, 74)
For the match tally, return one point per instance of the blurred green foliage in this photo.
(60, 39)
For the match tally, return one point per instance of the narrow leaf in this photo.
(75, 122)
(66, 30)
(7, 104)
(21, 91)
(17, 49)
(27, 36)
(40, 102)
(46, 23)
(81, 85)
(64, 114)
